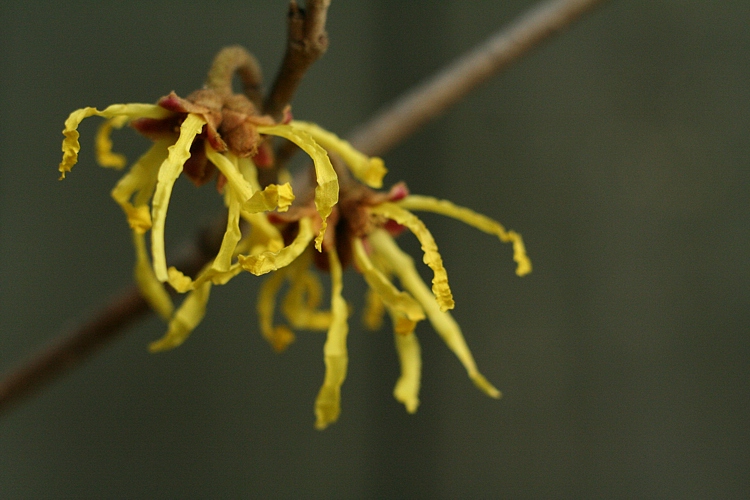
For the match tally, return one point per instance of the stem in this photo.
(307, 41)
(377, 136)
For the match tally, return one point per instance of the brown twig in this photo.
(378, 135)
(111, 320)
(69, 351)
(429, 99)
(307, 40)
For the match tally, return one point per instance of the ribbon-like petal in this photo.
(71, 146)
(369, 170)
(271, 261)
(478, 221)
(168, 172)
(328, 402)
(327, 190)
(402, 266)
(432, 257)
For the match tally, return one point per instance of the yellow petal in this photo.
(432, 257)
(327, 191)
(372, 316)
(400, 301)
(264, 236)
(232, 235)
(410, 359)
(300, 312)
(403, 267)
(140, 181)
(328, 402)
(479, 221)
(401, 324)
(179, 281)
(305, 293)
(221, 278)
(183, 283)
(230, 169)
(168, 172)
(103, 145)
(71, 146)
(271, 198)
(271, 261)
(249, 171)
(278, 336)
(151, 289)
(188, 316)
(368, 170)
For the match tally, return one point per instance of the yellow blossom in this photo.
(145, 191)
(271, 231)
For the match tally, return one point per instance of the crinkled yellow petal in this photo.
(151, 289)
(406, 390)
(140, 180)
(103, 145)
(432, 257)
(71, 146)
(403, 267)
(230, 169)
(273, 197)
(168, 172)
(264, 237)
(327, 191)
(479, 221)
(221, 278)
(183, 283)
(301, 303)
(328, 402)
(232, 235)
(242, 179)
(368, 170)
(249, 171)
(188, 316)
(271, 261)
(278, 336)
(401, 302)
(151, 161)
(374, 309)
(179, 281)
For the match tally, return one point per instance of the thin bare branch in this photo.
(307, 41)
(431, 98)
(124, 309)
(377, 136)
(69, 351)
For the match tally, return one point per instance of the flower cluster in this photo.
(337, 218)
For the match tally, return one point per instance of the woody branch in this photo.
(307, 41)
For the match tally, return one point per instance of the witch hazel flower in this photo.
(329, 219)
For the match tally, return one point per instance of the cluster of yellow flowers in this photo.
(260, 239)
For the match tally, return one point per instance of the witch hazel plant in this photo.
(335, 216)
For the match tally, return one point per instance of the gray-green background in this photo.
(619, 150)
